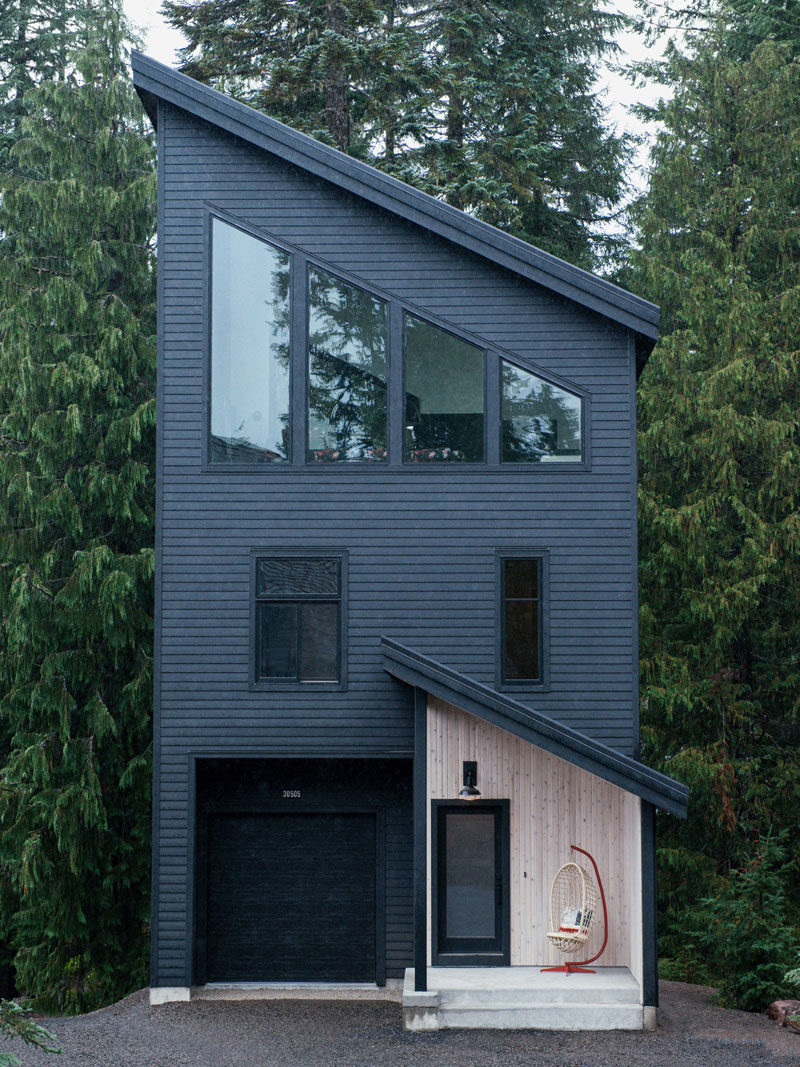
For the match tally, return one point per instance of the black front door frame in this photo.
(473, 959)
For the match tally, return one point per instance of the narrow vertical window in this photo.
(521, 620)
(249, 348)
(540, 420)
(444, 382)
(298, 627)
(346, 373)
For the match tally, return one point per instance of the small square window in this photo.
(521, 620)
(298, 619)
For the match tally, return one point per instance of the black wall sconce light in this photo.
(470, 772)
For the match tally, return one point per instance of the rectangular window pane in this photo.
(521, 658)
(470, 875)
(249, 349)
(347, 372)
(540, 421)
(298, 577)
(319, 642)
(277, 640)
(521, 578)
(444, 410)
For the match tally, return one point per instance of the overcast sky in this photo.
(161, 42)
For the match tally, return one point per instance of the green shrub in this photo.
(744, 935)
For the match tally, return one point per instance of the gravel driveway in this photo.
(691, 1032)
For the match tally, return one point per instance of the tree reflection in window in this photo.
(249, 348)
(347, 372)
(444, 382)
(541, 422)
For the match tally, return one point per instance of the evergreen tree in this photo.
(720, 463)
(77, 413)
(511, 129)
(753, 21)
(490, 106)
(301, 63)
(35, 40)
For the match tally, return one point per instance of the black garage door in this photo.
(291, 897)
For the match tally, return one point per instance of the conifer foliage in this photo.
(35, 41)
(488, 104)
(77, 414)
(720, 466)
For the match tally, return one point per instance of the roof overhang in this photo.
(420, 671)
(154, 81)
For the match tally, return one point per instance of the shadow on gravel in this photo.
(692, 1032)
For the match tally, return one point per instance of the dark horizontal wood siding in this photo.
(420, 544)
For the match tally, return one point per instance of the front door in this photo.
(470, 883)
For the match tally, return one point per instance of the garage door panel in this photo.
(291, 897)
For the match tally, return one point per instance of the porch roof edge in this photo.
(416, 669)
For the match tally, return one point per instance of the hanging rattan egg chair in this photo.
(573, 906)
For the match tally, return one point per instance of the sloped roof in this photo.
(416, 669)
(154, 81)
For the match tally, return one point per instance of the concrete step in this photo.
(542, 1017)
(524, 998)
(560, 991)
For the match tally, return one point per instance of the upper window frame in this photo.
(288, 685)
(398, 308)
(522, 685)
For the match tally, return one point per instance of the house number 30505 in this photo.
(291, 793)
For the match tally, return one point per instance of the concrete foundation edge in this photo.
(421, 1011)
(169, 994)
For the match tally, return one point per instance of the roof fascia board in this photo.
(156, 80)
(417, 670)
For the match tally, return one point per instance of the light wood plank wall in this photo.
(553, 805)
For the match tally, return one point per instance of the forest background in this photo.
(493, 106)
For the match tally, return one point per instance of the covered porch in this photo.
(483, 868)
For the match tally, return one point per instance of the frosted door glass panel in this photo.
(347, 372)
(540, 421)
(470, 875)
(444, 381)
(249, 349)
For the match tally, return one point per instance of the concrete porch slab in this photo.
(523, 998)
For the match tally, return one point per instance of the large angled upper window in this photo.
(540, 420)
(346, 371)
(249, 348)
(444, 384)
